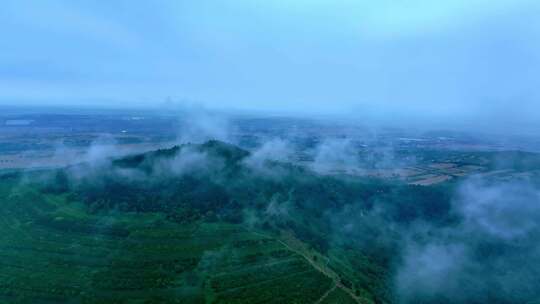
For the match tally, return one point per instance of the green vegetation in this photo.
(54, 251)
(155, 228)
(338, 296)
(86, 242)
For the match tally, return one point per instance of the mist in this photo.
(494, 248)
(397, 139)
(472, 240)
(463, 64)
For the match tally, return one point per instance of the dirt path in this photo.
(319, 301)
(326, 271)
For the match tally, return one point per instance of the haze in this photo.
(270, 151)
(444, 62)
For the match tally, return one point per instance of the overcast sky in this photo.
(444, 58)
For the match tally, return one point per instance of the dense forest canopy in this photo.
(373, 232)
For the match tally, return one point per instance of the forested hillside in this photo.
(209, 223)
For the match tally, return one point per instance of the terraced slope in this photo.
(53, 251)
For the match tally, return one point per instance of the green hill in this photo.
(197, 224)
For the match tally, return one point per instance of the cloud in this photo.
(335, 154)
(405, 62)
(199, 125)
(506, 211)
(430, 272)
(492, 254)
(273, 150)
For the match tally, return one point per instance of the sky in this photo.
(476, 60)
